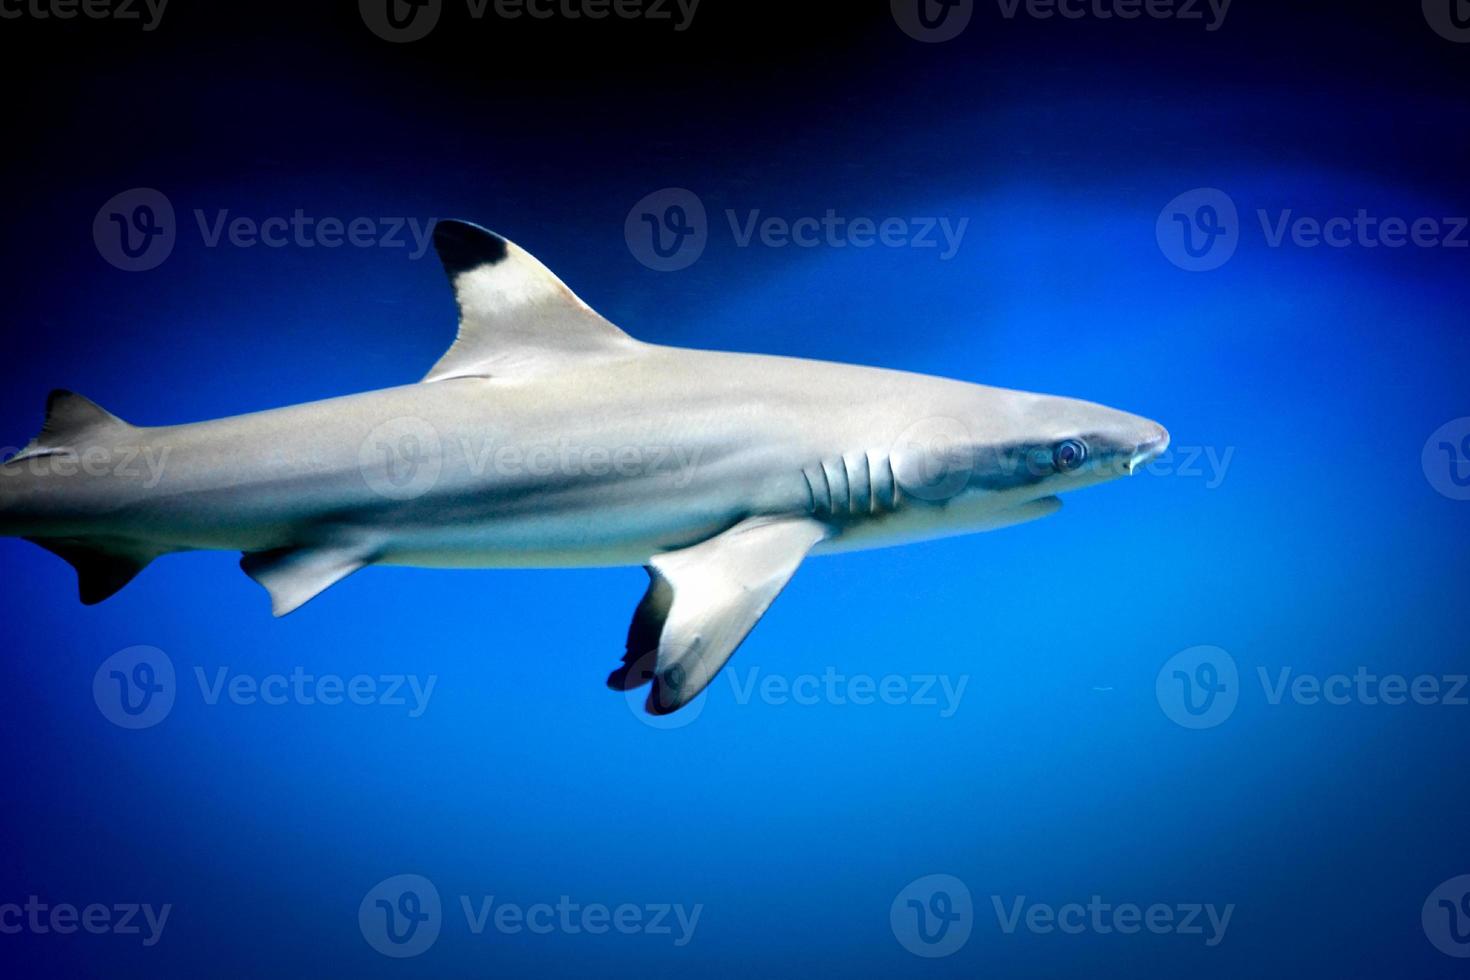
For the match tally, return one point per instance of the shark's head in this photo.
(1047, 445)
(997, 449)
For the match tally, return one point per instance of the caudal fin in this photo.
(103, 567)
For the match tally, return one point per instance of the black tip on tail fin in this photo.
(101, 574)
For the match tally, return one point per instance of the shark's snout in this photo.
(1150, 447)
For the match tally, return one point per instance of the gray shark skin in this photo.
(547, 437)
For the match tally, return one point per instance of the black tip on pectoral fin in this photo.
(640, 662)
(463, 246)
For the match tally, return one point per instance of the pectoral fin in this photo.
(701, 603)
(295, 576)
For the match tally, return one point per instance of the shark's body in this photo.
(547, 437)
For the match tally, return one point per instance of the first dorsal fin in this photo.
(515, 317)
(72, 422)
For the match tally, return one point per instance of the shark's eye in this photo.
(1070, 455)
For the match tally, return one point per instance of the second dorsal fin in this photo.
(515, 317)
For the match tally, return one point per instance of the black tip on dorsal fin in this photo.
(463, 246)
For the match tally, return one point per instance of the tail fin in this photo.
(71, 421)
(103, 567)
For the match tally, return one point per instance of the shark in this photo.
(547, 437)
